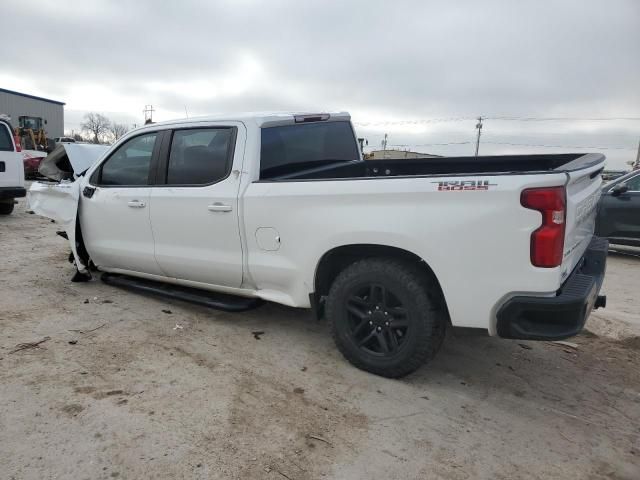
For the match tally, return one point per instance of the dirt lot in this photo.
(128, 386)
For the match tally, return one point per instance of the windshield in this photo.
(620, 179)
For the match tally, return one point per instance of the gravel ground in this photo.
(129, 386)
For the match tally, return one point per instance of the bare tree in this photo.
(117, 130)
(96, 124)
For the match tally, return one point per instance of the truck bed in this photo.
(445, 166)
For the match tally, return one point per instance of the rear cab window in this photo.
(291, 148)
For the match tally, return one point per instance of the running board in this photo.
(219, 301)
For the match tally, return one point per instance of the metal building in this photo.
(33, 112)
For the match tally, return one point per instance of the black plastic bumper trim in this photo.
(562, 316)
(12, 192)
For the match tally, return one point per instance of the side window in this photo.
(129, 164)
(6, 145)
(199, 156)
(634, 184)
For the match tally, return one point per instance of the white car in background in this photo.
(11, 169)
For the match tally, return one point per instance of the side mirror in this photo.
(619, 189)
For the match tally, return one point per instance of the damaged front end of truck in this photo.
(59, 197)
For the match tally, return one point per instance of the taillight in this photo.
(547, 242)
(16, 139)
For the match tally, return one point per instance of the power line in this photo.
(503, 118)
(590, 147)
(572, 119)
(413, 122)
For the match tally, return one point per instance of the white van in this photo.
(11, 169)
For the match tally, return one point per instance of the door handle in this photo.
(136, 204)
(219, 207)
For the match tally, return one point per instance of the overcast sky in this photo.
(388, 63)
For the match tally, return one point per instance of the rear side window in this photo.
(199, 156)
(129, 164)
(6, 145)
(290, 148)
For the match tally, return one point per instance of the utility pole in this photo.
(384, 142)
(479, 127)
(636, 165)
(148, 114)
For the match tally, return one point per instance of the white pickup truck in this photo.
(11, 168)
(282, 207)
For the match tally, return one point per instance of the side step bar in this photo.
(219, 301)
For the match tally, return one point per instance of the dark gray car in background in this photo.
(619, 210)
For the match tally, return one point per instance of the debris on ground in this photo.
(178, 327)
(257, 334)
(72, 342)
(298, 390)
(525, 346)
(566, 344)
(29, 345)
(167, 311)
(87, 331)
(303, 369)
(319, 438)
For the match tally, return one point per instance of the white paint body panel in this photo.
(193, 241)
(13, 175)
(271, 241)
(120, 235)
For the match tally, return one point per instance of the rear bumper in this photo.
(12, 192)
(562, 316)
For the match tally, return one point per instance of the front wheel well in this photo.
(336, 260)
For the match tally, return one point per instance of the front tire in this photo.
(386, 316)
(6, 207)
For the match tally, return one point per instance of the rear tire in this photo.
(386, 316)
(6, 207)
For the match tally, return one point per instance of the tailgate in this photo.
(583, 193)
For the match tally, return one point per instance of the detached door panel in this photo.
(114, 211)
(194, 216)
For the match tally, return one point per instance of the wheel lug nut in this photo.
(377, 307)
(369, 312)
(379, 329)
(386, 323)
(370, 322)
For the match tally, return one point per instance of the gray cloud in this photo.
(400, 60)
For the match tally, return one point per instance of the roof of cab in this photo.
(260, 118)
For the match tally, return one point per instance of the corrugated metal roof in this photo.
(26, 95)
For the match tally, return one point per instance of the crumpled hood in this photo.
(70, 159)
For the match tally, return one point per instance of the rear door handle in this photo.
(219, 207)
(136, 204)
